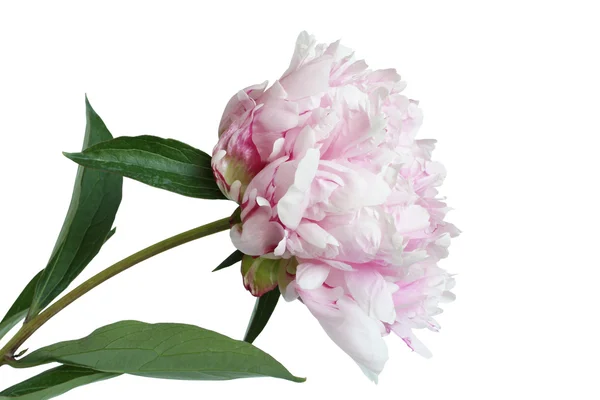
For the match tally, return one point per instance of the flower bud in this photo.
(262, 275)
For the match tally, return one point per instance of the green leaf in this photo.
(20, 307)
(94, 204)
(110, 234)
(169, 351)
(163, 163)
(53, 383)
(233, 258)
(263, 309)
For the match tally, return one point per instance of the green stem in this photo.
(9, 350)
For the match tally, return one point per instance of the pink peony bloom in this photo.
(338, 199)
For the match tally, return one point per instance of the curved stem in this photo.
(8, 352)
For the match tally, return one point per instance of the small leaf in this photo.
(233, 258)
(19, 309)
(94, 204)
(263, 309)
(163, 163)
(53, 383)
(21, 353)
(169, 351)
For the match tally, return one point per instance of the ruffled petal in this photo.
(311, 275)
(310, 79)
(258, 235)
(292, 205)
(372, 293)
(240, 103)
(350, 328)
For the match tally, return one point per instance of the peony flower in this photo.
(339, 206)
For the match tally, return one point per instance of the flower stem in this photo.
(7, 354)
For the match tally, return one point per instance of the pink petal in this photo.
(309, 80)
(292, 205)
(305, 45)
(372, 294)
(315, 235)
(411, 340)
(351, 329)
(412, 218)
(311, 275)
(270, 122)
(258, 235)
(239, 103)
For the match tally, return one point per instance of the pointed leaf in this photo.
(263, 309)
(110, 234)
(19, 309)
(94, 204)
(53, 383)
(163, 163)
(169, 351)
(233, 258)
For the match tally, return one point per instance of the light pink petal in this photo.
(249, 202)
(287, 284)
(270, 123)
(309, 80)
(267, 143)
(315, 235)
(304, 50)
(277, 148)
(384, 75)
(360, 239)
(351, 329)
(372, 294)
(411, 340)
(235, 191)
(263, 179)
(311, 275)
(361, 189)
(239, 103)
(281, 246)
(411, 257)
(284, 179)
(305, 140)
(275, 116)
(307, 169)
(412, 218)
(338, 265)
(258, 235)
(294, 244)
(292, 205)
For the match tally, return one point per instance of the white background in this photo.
(510, 90)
